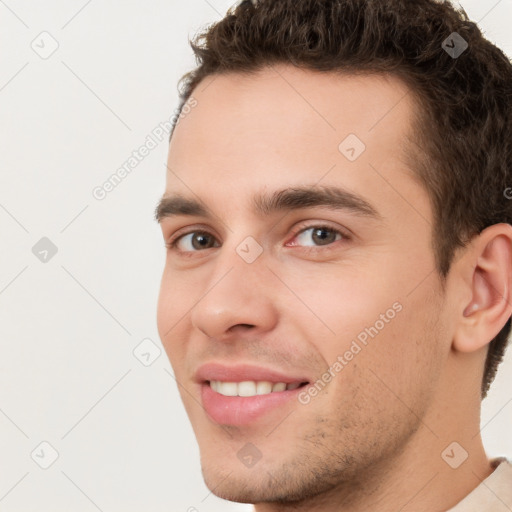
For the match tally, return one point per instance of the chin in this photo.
(253, 490)
(229, 479)
(229, 485)
(285, 484)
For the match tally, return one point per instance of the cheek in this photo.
(172, 307)
(368, 310)
(394, 358)
(336, 303)
(176, 296)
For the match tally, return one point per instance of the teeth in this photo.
(250, 387)
(263, 388)
(247, 388)
(228, 388)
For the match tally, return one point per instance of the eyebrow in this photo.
(294, 198)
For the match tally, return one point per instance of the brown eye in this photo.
(319, 235)
(201, 240)
(193, 241)
(323, 236)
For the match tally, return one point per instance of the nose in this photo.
(238, 296)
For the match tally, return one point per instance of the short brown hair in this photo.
(463, 130)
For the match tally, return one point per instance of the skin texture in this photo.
(373, 437)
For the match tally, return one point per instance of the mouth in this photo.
(242, 395)
(252, 388)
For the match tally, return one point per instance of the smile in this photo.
(251, 387)
(242, 394)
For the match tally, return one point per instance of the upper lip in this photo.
(244, 372)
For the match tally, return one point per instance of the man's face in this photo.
(343, 302)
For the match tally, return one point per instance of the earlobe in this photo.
(490, 305)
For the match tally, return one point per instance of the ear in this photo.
(487, 279)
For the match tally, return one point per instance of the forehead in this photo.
(285, 126)
(287, 101)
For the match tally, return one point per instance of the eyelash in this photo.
(173, 242)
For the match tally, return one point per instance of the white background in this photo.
(68, 327)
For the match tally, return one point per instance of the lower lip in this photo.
(241, 410)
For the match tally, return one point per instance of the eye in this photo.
(191, 241)
(319, 235)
